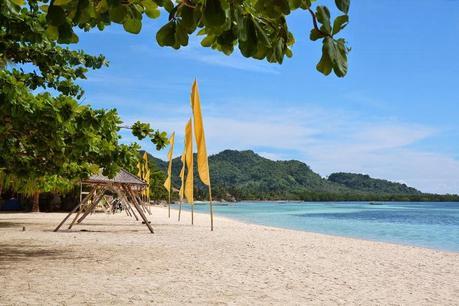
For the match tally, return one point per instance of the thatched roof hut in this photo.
(125, 185)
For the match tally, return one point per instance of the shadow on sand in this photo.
(13, 253)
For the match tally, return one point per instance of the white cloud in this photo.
(329, 141)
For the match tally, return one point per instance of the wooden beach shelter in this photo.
(127, 189)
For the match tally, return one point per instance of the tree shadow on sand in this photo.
(9, 225)
(15, 253)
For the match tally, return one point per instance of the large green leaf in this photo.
(151, 9)
(118, 13)
(261, 34)
(166, 35)
(181, 36)
(214, 13)
(343, 5)
(133, 25)
(248, 38)
(188, 21)
(341, 65)
(55, 16)
(337, 54)
(323, 16)
(325, 66)
(340, 23)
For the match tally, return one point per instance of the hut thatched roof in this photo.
(122, 177)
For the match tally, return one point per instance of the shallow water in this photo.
(431, 225)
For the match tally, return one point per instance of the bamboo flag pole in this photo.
(169, 206)
(211, 211)
(168, 182)
(182, 178)
(192, 213)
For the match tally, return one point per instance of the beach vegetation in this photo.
(48, 138)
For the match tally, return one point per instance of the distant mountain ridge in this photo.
(245, 175)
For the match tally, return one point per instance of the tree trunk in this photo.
(36, 202)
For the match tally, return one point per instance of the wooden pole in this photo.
(142, 215)
(81, 191)
(169, 205)
(74, 219)
(126, 210)
(180, 210)
(145, 206)
(65, 219)
(76, 207)
(79, 210)
(192, 213)
(122, 194)
(211, 210)
(92, 207)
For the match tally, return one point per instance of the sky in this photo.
(394, 116)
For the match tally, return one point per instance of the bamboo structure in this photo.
(127, 187)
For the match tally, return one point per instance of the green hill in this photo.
(245, 175)
(365, 183)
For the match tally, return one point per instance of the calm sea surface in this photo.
(431, 225)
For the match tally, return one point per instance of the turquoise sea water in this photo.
(431, 225)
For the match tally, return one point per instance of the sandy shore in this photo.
(115, 260)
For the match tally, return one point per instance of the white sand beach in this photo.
(115, 260)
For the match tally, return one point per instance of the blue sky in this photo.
(394, 116)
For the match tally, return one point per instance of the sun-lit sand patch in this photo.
(112, 259)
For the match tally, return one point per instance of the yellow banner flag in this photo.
(182, 175)
(139, 168)
(145, 173)
(189, 162)
(147, 179)
(144, 165)
(203, 166)
(167, 183)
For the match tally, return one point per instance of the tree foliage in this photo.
(47, 138)
(365, 183)
(45, 135)
(258, 28)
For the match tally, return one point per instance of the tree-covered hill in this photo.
(245, 175)
(365, 183)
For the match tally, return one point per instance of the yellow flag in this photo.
(147, 180)
(145, 172)
(182, 175)
(167, 183)
(189, 162)
(144, 166)
(203, 166)
(139, 168)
